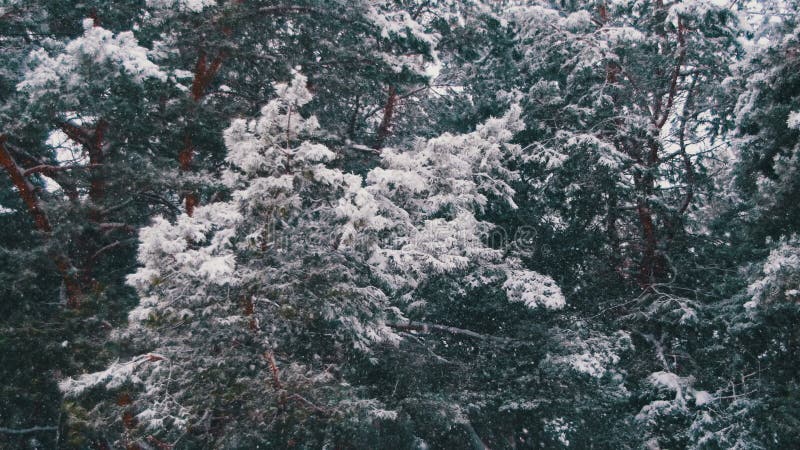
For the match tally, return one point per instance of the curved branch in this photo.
(27, 160)
(28, 195)
(26, 190)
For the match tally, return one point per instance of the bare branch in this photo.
(673, 84)
(273, 366)
(48, 169)
(110, 246)
(434, 328)
(111, 226)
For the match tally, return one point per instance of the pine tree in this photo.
(117, 115)
(295, 279)
(339, 223)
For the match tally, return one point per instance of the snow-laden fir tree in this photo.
(339, 278)
(254, 309)
(754, 327)
(114, 111)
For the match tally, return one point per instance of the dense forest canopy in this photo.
(400, 224)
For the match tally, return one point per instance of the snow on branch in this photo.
(533, 289)
(98, 45)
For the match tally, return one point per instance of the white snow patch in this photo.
(794, 120)
(702, 397)
(533, 289)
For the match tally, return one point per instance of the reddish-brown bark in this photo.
(129, 420)
(602, 11)
(204, 73)
(94, 143)
(273, 366)
(185, 157)
(649, 266)
(25, 189)
(28, 195)
(385, 127)
(249, 312)
(653, 264)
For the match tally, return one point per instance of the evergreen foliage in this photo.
(399, 224)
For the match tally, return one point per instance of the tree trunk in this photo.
(385, 128)
(97, 186)
(40, 220)
(203, 75)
